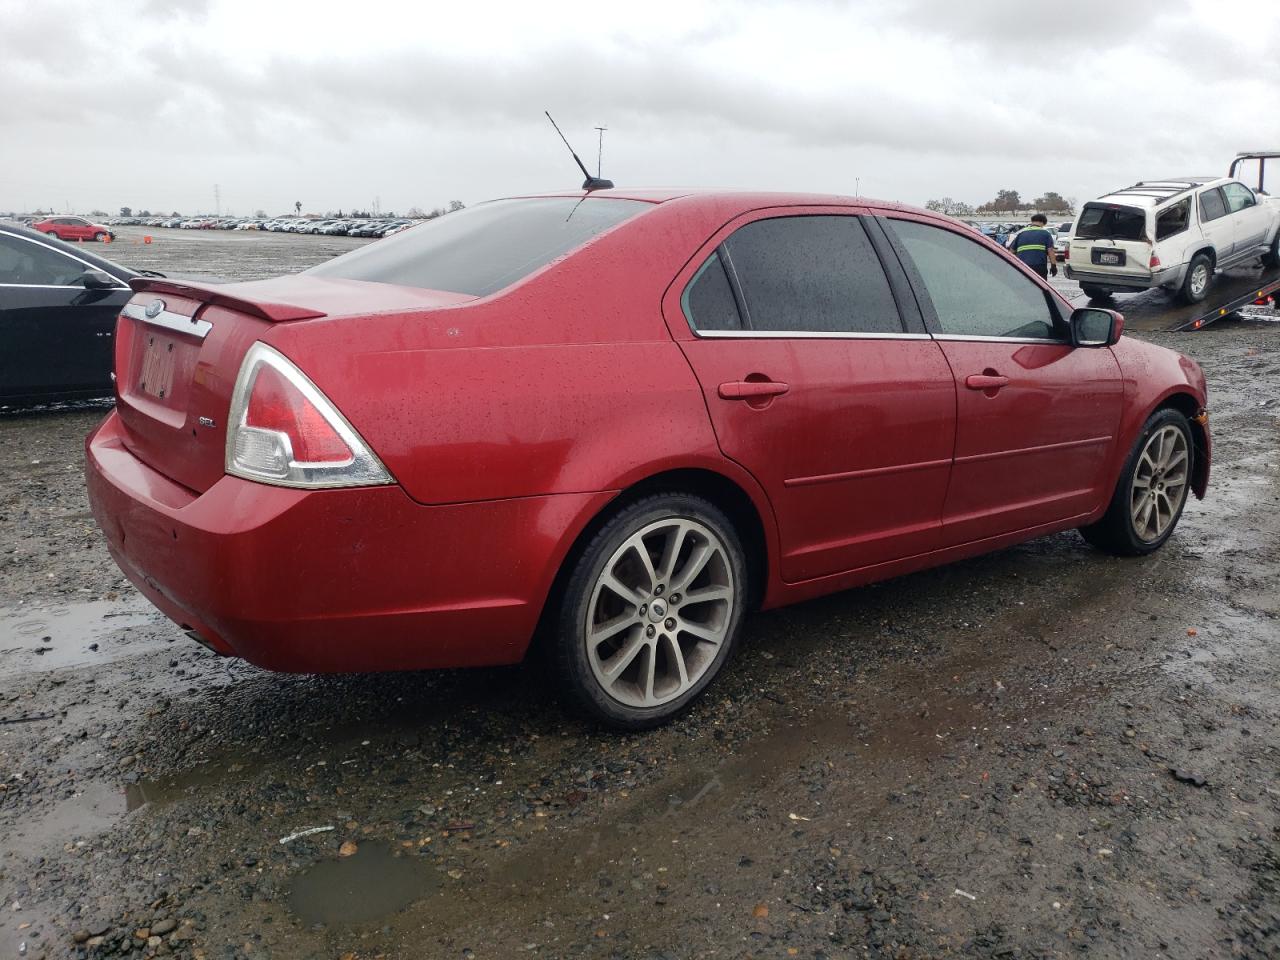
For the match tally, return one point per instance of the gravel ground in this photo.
(1045, 752)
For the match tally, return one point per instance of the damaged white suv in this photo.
(1173, 234)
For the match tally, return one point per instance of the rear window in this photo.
(484, 248)
(1106, 221)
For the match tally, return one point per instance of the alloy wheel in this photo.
(659, 612)
(1199, 279)
(1159, 483)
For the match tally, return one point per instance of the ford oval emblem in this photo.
(154, 309)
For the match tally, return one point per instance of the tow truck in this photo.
(1248, 292)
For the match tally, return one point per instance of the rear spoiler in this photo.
(212, 293)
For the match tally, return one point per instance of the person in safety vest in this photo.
(1034, 247)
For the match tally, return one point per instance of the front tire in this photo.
(1095, 292)
(99, 237)
(1195, 285)
(1152, 490)
(651, 611)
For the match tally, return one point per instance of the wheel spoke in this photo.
(676, 656)
(671, 552)
(629, 594)
(601, 632)
(618, 663)
(700, 631)
(697, 561)
(641, 551)
(707, 594)
(648, 670)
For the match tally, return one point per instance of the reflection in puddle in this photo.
(95, 631)
(368, 885)
(168, 790)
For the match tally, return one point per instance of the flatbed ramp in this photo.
(1231, 290)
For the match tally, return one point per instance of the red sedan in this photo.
(617, 422)
(73, 229)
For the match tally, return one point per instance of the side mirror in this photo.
(98, 280)
(1095, 327)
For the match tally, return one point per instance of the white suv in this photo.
(1173, 234)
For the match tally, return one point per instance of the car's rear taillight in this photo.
(283, 430)
(1155, 262)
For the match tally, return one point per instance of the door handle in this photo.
(985, 381)
(752, 389)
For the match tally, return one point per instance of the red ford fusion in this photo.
(617, 422)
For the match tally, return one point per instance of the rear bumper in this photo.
(1170, 276)
(358, 579)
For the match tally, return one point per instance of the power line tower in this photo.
(217, 200)
(599, 148)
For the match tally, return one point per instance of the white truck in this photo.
(1175, 234)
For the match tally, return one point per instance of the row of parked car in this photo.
(340, 227)
(1003, 233)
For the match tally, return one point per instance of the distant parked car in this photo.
(74, 228)
(58, 308)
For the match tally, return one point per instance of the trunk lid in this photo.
(179, 347)
(1112, 238)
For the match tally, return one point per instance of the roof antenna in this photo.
(591, 183)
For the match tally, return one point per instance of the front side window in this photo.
(482, 249)
(812, 274)
(1173, 220)
(1238, 197)
(1212, 206)
(27, 264)
(974, 291)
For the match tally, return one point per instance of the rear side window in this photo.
(708, 299)
(811, 274)
(1212, 206)
(975, 292)
(484, 248)
(1109, 221)
(1173, 220)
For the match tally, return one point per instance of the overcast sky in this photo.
(150, 103)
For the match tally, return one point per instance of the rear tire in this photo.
(1195, 285)
(1271, 259)
(1095, 292)
(1152, 489)
(640, 636)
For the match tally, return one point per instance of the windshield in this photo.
(1109, 221)
(482, 249)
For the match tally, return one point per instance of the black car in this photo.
(58, 309)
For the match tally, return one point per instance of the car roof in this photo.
(77, 251)
(1152, 193)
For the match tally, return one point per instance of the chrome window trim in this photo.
(58, 286)
(62, 253)
(168, 320)
(807, 335)
(966, 338)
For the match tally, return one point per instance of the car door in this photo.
(56, 337)
(841, 409)
(1037, 419)
(1218, 228)
(1250, 220)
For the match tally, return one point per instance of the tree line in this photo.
(1006, 201)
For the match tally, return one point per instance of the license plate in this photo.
(1109, 258)
(157, 367)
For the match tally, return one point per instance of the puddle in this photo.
(82, 816)
(166, 790)
(371, 884)
(34, 639)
